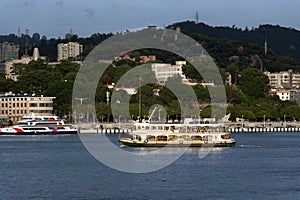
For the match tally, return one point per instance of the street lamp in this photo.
(120, 121)
(200, 116)
(264, 121)
(242, 121)
(159, 114)
(81, 100)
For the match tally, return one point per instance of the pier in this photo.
(232, 127)
(262, 127)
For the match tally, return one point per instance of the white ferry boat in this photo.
(38, 130)
(178, 135)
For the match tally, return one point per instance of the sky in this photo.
(55, 18)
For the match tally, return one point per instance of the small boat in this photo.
(38, 130)
(147, 134)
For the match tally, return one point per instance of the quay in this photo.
(232, 127)
(262, 127)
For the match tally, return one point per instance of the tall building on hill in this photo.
(69, 50)
(8, 51)
(164, 71)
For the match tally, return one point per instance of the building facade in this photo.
(8, 51)
(284, 80)
(164, 71)
(69, 50)
(17, 105)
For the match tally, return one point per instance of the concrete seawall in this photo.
(262, 130)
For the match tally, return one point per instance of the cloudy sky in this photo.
(55, 18)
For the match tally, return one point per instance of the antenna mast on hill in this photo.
(26, 41)
(197, 17)
(19, 32)
(266, 46)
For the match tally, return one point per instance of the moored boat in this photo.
(38, 130)
(178, 135)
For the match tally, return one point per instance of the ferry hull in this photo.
(40, 133)
(141, 144)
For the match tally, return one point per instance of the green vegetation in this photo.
(248, 98)
(240, 52)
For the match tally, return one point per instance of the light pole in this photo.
(200, 116)
(264, 121)
(242, 121)
(159, 114)
(81, 100)
(120, 121)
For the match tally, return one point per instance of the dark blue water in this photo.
(261, 166)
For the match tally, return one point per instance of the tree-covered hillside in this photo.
(284, 41)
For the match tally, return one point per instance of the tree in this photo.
(254, 83)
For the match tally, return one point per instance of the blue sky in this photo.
(55, 18)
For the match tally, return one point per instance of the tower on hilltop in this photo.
(197, 17)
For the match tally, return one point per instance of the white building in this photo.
(8, 66)
(284, 95)
(69, 50)
(17, 105)
(284, 80)
(164, 71)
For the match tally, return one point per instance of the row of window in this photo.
(6, 105)
(13, 99)
(10, 105)
(9, 112)
(41, 104)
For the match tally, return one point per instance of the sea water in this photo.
(260, 166)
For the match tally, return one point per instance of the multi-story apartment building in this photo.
(17, 105)
(284, 80)
(69, 50)
(164, 71)
(8, 51)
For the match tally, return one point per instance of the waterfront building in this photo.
(69, 50)
(8, 51)
(17, 105)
